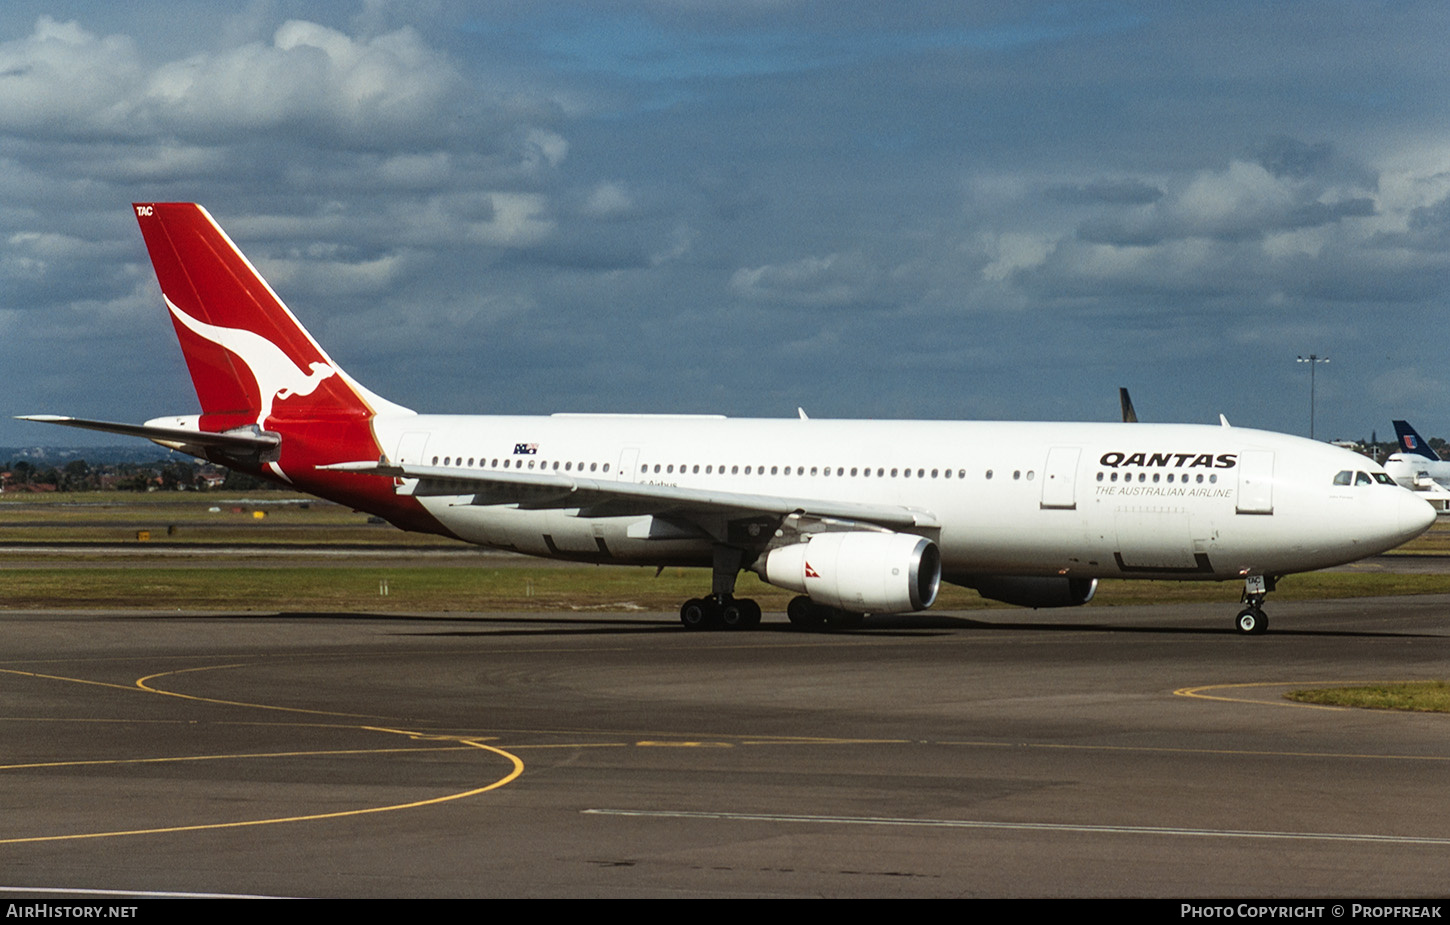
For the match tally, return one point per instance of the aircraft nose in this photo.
(1413, 514)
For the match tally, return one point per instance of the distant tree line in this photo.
(171, 475)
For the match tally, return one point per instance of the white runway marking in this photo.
(1027, 826)
(135, 894)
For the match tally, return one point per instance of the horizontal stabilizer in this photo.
(229, 440)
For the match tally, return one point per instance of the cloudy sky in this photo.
(940, 210)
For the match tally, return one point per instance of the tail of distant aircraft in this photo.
(1413, 443)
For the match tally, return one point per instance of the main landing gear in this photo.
(1252, 621)
(721, 609)
(720, 612)
(806, 613)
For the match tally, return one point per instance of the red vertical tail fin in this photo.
(256, 368)
(251, 361)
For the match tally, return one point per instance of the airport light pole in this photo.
(1313, 360)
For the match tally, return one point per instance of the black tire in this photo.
(844, 619)
(734, 615)
(699, 614)
(752, 615)
(740, 614)
(803, 612)
(1251, 621)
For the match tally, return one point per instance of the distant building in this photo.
(13, 489)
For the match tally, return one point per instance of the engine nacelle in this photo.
(1024, 591)
(858, 571)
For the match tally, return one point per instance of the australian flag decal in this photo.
(526, 449)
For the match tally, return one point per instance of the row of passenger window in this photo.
(519, 464)
(880, 472)
(838, 471)
(1343, 478)
(711, 469)
(1182, 477)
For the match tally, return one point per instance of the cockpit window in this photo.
(1346, 477)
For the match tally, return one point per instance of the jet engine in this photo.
(1053, 591)
(858, 571)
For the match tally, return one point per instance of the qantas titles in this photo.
(1170, 460)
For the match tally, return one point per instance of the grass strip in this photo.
(1416, 696)
(415, 588)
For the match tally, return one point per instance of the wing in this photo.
(599, 498)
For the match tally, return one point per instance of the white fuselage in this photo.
(1090, 500)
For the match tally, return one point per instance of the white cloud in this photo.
(429, 170)
(48, 246)
(518, 220)
(479, 217)
(608, 200)
(19, 267)
(1082, 199)
(1013, 251)
(387, 91)
(334, 277)
(548, 147)
(1307, 242)
(1407, 386)
(832, 280)
(1231, 202)
(679, 243)
(62, 81)
(309, 76)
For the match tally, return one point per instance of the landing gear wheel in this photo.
(740, 614)
(803, 612)
(700, 614)
(1251, 621)
(844, 619)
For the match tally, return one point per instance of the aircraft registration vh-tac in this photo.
(860, 517)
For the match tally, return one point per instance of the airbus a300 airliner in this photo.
(860, 517)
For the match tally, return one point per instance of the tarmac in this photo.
(1095, 752)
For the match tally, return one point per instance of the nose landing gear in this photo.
(1252, 621)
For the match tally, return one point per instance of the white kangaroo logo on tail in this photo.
(278, 377)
